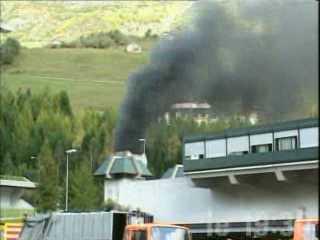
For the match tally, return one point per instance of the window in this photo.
(260, 139)
(194, 150)
(261, 148)
(139, 235)
(287, 143)
(216, 148)
(238, 144)
(309, 137)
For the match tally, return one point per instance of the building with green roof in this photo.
(120, 169)
(123, 165)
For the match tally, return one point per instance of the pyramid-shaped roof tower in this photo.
(123, 164)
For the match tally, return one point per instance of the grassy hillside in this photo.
(93, 77)
(37, 23)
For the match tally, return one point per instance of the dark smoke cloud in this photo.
(264, 55)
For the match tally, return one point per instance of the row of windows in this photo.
(259, 143)
(282, 144)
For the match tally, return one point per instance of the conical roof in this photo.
(123, 164)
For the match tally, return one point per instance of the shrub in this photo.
(9, 50)
(118, 38)
(98, 40)
(148, 33)
(13, 45)
(105, 42)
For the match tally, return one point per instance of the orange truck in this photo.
(306, 229)
(153, 231)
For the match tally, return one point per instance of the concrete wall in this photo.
(179, 200)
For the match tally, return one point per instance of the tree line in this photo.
(35, 132)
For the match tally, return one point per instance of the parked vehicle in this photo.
(100, 226)
(306, 229)
(153, 231)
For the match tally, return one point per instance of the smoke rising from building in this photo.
(236, 55)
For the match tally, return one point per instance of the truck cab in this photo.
(306, 229)
(152, 231)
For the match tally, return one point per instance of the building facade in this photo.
(288, 145)
(246, 182)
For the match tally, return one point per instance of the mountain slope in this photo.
(37, 23)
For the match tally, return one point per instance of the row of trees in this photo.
(35, 132)
(104, 40)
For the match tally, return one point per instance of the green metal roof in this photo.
(277, 126)
(143, 170)
(102, 170)
(180, 171)
(168, 173)
(174, 172)
(124, 165)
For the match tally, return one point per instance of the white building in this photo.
(12, 189)
(242, 181)
(199, 112)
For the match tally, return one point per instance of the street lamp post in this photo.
(35, 157)
(69, 151)
(144, 145)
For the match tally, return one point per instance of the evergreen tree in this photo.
(64, 103)
(48, 190)
(7, 167)
(84, 192)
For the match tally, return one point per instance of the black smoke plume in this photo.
(236, 55)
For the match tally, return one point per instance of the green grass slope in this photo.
(92, 77)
